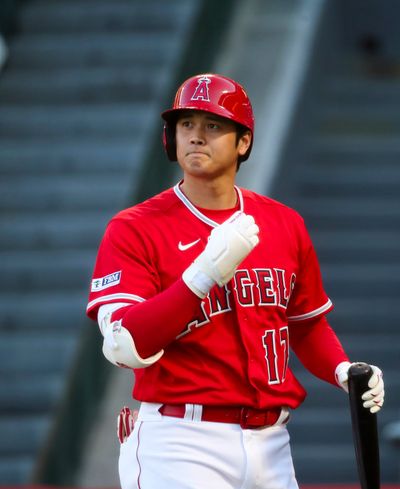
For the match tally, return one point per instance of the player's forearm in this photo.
(317, 347)
(155, 323)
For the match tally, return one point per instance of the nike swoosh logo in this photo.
(184, 247)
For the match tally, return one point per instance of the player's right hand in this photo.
(228, 245)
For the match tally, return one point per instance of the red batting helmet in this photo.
(210, 93)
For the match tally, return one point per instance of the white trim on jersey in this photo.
(193, 209)
(114, 297)
(110, 307)
(311, 314)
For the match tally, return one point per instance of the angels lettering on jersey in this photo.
(260, 287)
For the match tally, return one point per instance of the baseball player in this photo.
(203, 290)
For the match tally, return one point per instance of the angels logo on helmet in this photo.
(201, 91)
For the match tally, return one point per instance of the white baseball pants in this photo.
(164, 452)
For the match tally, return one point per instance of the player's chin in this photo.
(197, 157)
(197, 163)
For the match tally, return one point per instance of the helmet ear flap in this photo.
(169, 141)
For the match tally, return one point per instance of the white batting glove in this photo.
(227, 247)
(375, 396)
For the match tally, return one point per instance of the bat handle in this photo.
(359, 375)
(364, 426)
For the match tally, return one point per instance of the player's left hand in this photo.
(374, 397)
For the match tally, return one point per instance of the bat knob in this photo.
(359, 375)
(360, 368)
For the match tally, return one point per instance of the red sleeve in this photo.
(317, 347)
(157, 322)
(308, 299)
(124, 269)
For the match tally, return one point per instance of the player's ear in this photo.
(244, 143)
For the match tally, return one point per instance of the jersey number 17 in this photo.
(276, 345)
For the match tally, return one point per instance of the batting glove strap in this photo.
(197, 281)
(374, 397)
(228, 245)
(341, 375)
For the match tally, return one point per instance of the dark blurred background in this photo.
(82, 85)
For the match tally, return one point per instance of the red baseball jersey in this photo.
(236, 350)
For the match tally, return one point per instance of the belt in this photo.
(244, 416)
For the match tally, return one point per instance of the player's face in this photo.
(207, 145)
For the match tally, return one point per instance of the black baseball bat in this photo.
(364, 427)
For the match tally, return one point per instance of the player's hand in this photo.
(374, 397)
(228, 245)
